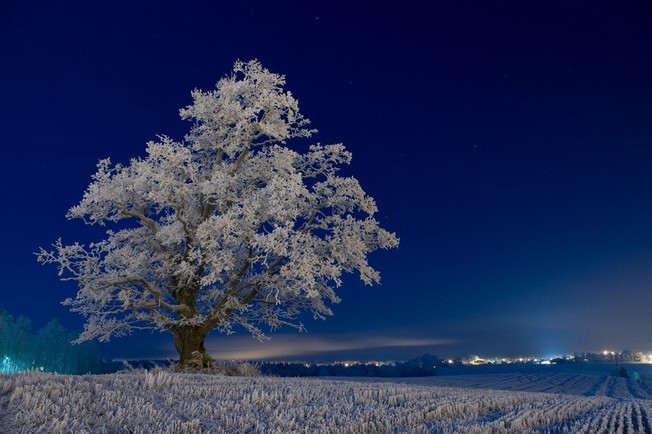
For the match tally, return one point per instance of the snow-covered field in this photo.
(164, 402)
(565, 383)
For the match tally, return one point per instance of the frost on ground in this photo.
(556, 382)
(165, 402)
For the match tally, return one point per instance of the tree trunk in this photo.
(189, 342)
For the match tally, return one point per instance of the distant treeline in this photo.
(48, 349)
(423, 366)
(625, 356)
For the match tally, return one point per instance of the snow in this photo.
(166, 402)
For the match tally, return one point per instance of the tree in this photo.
(228, 227)
(53, 352)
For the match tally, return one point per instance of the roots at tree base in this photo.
(189, 342)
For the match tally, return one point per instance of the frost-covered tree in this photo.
(231, 226)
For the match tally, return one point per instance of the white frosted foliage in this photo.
(234, 226)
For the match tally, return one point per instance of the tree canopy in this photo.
(230, 227)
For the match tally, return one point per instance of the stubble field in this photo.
(165, 402)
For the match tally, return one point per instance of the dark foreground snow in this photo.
(164, 402)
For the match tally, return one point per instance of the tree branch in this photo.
(151, 288)
(215, 317)
(238, 161)
(233, 284)
(143, 219)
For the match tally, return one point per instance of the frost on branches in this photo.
(229, 227)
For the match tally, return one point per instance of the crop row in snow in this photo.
(564, 382)
(165, 402)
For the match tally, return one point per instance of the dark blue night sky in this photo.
(508, 144)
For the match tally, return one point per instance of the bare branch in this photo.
(149, 287)
(143, 219)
